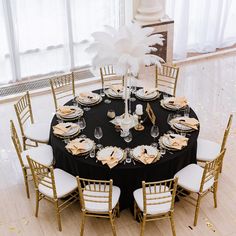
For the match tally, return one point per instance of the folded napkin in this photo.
(117, 88)
(65, 110)
(88, 97)
(111, 160)
(78, 146)
(62, 128)
(177, 142)
(189, 122)
(145, 158)
(178, 101)
(148, 91)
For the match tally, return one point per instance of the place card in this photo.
(151, 114)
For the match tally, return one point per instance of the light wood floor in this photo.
(210, 86)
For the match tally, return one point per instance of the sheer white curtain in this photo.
(42, 37)
(202, 25)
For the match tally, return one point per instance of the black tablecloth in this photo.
(128, 177)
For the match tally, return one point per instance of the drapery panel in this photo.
(42, 37)
(202, 25)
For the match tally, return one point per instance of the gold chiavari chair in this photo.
(42, 154)
(155, 201)
(98, 198)
(62, 86)
(36, 132)
(208, 150)
(166, 78)
(109, 76)
(199, 181)
(53, 185)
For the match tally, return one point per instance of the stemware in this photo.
(98, 135)
(133, 90)
(82, 125)
(128, 139)
(154, 133)
(107, 100)
(186, 111)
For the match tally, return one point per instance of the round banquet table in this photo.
(129, 176)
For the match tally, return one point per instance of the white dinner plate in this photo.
(151, 151)
(107, 151)
(87, 100)
(140, 94)
(77, 113)
(72, 131)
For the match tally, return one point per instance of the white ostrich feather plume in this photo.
(126, 48)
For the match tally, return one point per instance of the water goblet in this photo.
(154, 133)
(128, 139)
(186, 111)
(82, 125)
(98, 135)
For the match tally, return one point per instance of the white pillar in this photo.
(150, 10)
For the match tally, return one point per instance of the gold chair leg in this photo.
(26, 183)
(112, 224)
(215, 194)
(143, 223)
(24, 143)
(135, 210)
(58, 215)
(82, 224)
(221, 166)
(197, 210)
(172, 224)
(118, 210)
(37, 203)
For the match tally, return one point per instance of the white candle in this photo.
(139, 109)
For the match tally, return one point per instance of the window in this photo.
(50, 36)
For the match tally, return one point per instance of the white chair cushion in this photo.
(65, 184)
(38, 132)
(190, 178)
(207, 150)
(100, 206)
(42, 154)
(160, 208)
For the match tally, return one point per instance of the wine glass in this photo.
(186, 111)
(133, 89)
(128, 139)
(154, 133)
(107, 100)
(82, 125)
(98, 135)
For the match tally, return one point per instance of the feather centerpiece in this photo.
(126, 49)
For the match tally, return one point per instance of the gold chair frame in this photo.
(24, 114)
(44, 175)
(102, 187)
(225, 138)
(211, 170)
(170, 185)
(167, 77)
(18, 147)
(107, 73)
(62, 86)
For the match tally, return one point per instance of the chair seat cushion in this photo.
(65, 184)
(159, 207)
(38, 132)
(103, 197)
(207, 150)
(190, 178)
(42, 154)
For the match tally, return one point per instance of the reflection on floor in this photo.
(210, 86)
